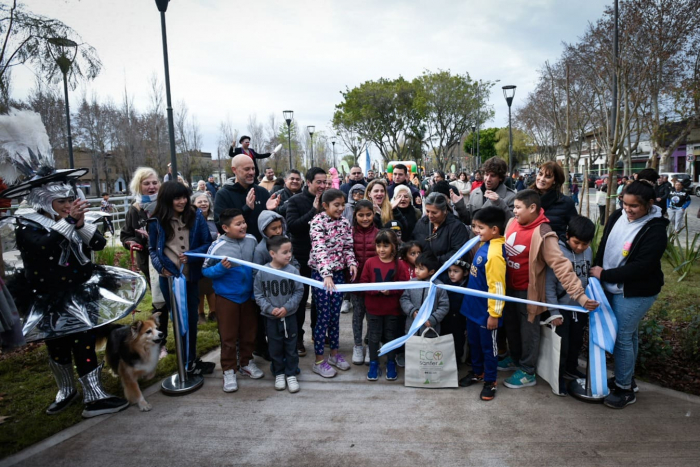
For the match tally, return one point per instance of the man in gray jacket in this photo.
(278, 299)
(493, 192)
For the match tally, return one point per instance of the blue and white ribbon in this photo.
(180, 294)
(602, 333)
(426, 308)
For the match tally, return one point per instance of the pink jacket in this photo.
(331, 244)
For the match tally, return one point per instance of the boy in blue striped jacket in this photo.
(487, 274)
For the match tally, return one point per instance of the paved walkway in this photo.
(348, 421)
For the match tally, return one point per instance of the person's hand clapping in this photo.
(455, 197)
(250, 199)
(491, 195)
(273, 202)
(317, 202)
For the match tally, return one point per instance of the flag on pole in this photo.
(368, 164)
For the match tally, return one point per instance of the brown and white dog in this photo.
(132, 353)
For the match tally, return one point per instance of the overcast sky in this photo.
(231, 58)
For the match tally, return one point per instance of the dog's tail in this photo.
(102, 333)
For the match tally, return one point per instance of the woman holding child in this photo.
(628, 264)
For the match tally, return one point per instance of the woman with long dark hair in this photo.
(175, 228)
(558, 208)
(628, 264)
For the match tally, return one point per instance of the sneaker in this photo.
(611, 384)
(374, 371)
(401, 360)
(292, 384)
(391, 373)
(574, 374)
(488, 393)
(280, 383)
(470, 379)
(104, 406)
(252, 370)
(367, 356)
(358, 355)
(507, 364)
(58, 407)
(346, 307)
(206, 368)
(163, 353)
(519, 380)
(339, 362)
(324, 369)
(562, 388)
(620, 398)
(301, 350)
(230, 383)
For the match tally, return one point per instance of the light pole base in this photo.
(577, 388)
(172, 386)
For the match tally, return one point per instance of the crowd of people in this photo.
(366, 229)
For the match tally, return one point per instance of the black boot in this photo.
(67, 393)
(97, 400)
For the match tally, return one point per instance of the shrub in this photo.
(653, 344)
(690, 337)
(682, 256)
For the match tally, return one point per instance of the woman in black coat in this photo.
(558, 208)
(439, 230)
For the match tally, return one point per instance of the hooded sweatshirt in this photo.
(349, 211)
(555, 291)
(262, 254)
(273, 291)
(518, 240)
(234, 284)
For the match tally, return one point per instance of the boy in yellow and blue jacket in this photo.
(487, 274)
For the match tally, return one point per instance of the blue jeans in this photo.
(192, 313)
(628, 312)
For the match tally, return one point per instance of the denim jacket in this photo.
(200, 241)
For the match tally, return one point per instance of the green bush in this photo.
(682, 255)
(689, 336)
(653, 344)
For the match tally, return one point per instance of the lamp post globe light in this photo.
(288, 117)
(311, 129)
(509, 93)
(63, 51)
(333, 143)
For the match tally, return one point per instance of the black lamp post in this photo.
(333, 143)
(509, 93)
(64, 51)
(288, 117)
(311, 129)
(162, 7)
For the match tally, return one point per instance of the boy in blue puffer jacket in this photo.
(235, 305)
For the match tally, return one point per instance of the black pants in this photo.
(142, 258)
(455, 323)
(601, 215)
(382, 328)
(80, 346)
(571, 332)
(301, 310)
(282, 341)
(511, 324)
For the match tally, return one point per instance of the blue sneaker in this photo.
(507, 364)
(519, 380)
(374, 371)
(391, 373)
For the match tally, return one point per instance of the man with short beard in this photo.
(355, 178)
(292, 186)
(493, 192)
(268, 181)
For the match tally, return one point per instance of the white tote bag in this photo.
(431, 362)
(548, 360)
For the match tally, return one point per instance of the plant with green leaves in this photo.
(682, 256)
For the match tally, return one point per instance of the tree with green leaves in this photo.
(522, 145)
(25, 42)
(487, 143)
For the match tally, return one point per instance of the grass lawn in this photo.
(27, 388)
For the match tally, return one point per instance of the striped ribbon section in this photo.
(180, 293)
(602, 333)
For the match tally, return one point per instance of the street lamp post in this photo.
(311, 129)
(333, 143)
(162, 7)
(509, 93)
(181, 382)
(63, 51)
(288, 117)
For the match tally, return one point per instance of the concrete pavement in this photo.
(348, 421)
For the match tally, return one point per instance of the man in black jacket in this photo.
(292, 186)
(663, 189)
(355, 178)
(248, 151)
(400, 177)
(244, 195)
(301, 208)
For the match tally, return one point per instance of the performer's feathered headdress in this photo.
(26, 161)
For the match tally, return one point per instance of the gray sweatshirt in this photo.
(412, 299)
(272, 291)
(262, 254)
(555, 292)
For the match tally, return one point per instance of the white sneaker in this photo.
(292, 384)
(346, 306)
(367, 356)
(252, 370)
(230, 383)
(358, 355)
(339, 362)
(280, 383)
